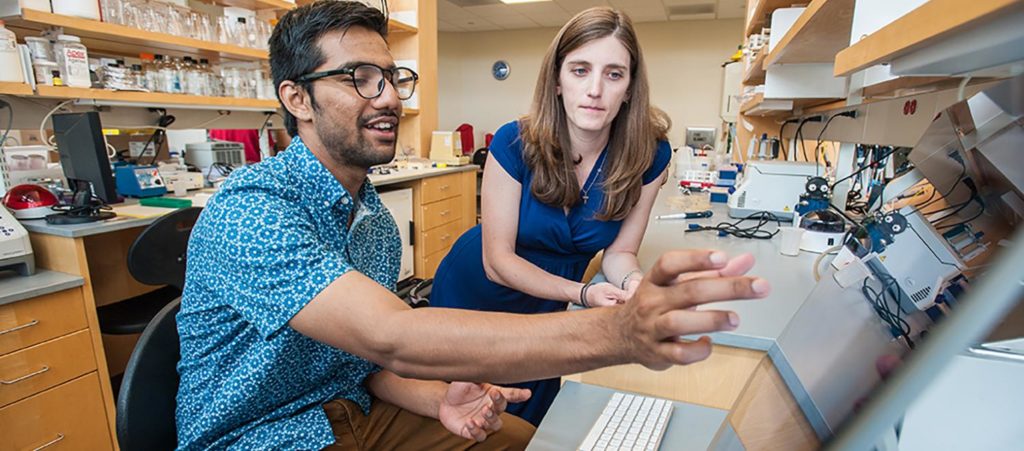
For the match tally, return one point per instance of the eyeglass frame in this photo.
(350, 71)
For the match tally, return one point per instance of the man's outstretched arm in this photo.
(356, 314)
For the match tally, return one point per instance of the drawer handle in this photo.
(17, 328)
(446, 237)
(15, 381)
(445, 212)
(445, 187)
(51, 442)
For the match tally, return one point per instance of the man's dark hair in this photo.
(294, 49)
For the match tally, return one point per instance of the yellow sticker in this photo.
(786, 209)
(111, 131)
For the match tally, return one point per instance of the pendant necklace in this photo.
(585, 193)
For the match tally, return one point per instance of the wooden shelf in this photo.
(119, 39)
(758, 106)
(257, 4)
(395, 26)
(15, 89)
(761, 11)
(928, 23)
(755, 72)
(153, 98)
(821, 31)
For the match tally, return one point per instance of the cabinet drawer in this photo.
(441, 238)
(69, 416)
(432, 261)
(434, 189)
(25, 323)
(441, 212)
(32, 370)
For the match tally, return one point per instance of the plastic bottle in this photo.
(73, 61)
(10, 58)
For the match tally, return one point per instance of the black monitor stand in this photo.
(84, 207)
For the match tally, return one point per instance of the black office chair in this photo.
(146, 402)
(157, 257)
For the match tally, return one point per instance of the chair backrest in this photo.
(157, 257)
(146, 402)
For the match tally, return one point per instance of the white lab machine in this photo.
(205, 154)
(920, 260)
(174, 175)
(772, 186)
(15, 248)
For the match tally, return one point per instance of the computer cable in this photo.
(782, 140)
(755, 232)
(850, 114)
(877, 162)
(883, 302)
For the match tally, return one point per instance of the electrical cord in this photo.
(874, 164)
(755, 232)
(782, 140)
(817, 143)
(880, 302)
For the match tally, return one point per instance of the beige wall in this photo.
(683, 59)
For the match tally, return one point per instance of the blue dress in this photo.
(559, 243)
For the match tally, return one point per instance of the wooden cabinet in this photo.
(444, 207)
(50, 389)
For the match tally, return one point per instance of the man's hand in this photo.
(472, 410)
(603, 294)
(664, 307)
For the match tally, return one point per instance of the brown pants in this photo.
(389, 427)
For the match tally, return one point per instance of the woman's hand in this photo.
(604, 294)
(472, 410)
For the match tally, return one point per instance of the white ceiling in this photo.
(490, 15)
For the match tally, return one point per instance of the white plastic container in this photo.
(87, 9)
(73, 61)
(38, 5)
(10, 57)
(44, 71)
(40, 48)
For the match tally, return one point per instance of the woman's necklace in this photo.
(585, 192)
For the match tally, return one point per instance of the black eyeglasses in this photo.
(368, 79)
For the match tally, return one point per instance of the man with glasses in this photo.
(291, 337)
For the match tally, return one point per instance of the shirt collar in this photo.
(319, 186)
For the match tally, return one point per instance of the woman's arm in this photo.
(499, 219)
(619, 265)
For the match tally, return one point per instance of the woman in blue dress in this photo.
(578, 175)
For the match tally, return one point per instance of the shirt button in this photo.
(344, 200)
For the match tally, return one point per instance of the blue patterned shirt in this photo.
(266, 244)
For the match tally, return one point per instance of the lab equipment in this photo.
(772, 186)
(629, 422)
(691, 215)
(15, 247)
(29, 201)
(139, 181)
(446, 147)
(203, 155)
(698, 137)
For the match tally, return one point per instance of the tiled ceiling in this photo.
(490, 15)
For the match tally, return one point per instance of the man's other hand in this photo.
(473, 410)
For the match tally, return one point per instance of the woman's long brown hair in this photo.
(635, 130)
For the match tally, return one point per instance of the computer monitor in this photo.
(83, 152)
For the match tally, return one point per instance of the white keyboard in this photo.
(629, 422)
